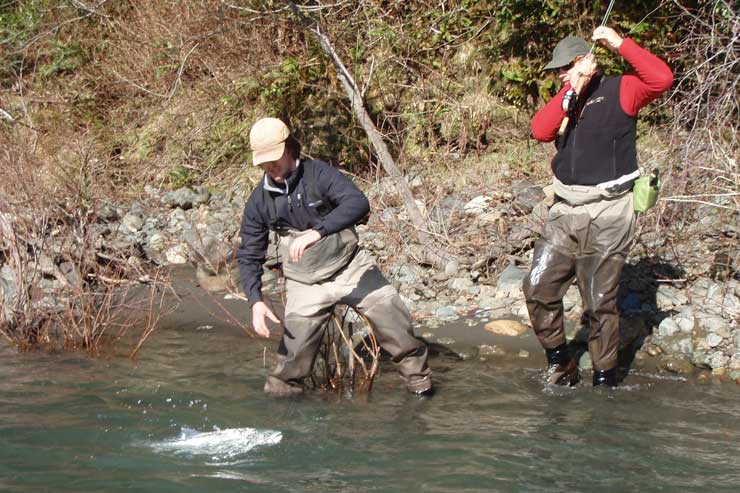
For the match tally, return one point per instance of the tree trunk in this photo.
(429, 253)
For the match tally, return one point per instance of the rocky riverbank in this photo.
(672, 320)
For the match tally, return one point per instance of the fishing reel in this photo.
(569, 100)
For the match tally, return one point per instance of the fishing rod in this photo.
(571, 97)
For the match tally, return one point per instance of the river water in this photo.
(190, 415)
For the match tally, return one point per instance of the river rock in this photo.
(452, 267)
(177, 254)
(668, 297)
(678, 365)
(186, 197)
(504, 327)
(446, 312)
(510, 281)
(584, 362)
(715, 324)
(713, 340)
(718, 359)
(668, 328)
(157, 242)
(734, 363)
(405, 274)
(176, 220)
(477, 205)
(526, 195)
(572, 298)
(685, 320)
(132, 222)
(208, 251)
(460, 284)
(107, 213)
(491, 350)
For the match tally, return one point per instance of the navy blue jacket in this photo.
(295, 208)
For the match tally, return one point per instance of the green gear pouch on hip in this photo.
(645, 192)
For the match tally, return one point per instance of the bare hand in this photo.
(259, 312)
(582, 71)
(608, 37)
(302, 242)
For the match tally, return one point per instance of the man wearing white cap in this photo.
(313, 208)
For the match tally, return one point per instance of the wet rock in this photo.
(700, 359)
(584, 362)
(735, 375)
(186, 197)
(446, 312)
(208, 252)
(504, 327)
(572, 298)
(217, 283)
(478, 205)
(668, 328)
(718, 359)
(491, 350)
(678, 365)
(652, 350)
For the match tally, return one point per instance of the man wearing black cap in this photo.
(590, 227)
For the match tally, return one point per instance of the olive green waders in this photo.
(587, 237)
(363, 287)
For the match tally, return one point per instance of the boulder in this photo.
(505, 327)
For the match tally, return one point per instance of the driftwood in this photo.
(430, 253)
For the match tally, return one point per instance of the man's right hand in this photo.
(582, 71)
(259, 312)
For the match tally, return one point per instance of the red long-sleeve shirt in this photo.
(652, 77)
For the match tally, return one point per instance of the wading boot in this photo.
(561, 368)
(605, 377)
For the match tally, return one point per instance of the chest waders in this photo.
(324, 258)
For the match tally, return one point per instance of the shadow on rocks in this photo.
(639, 308)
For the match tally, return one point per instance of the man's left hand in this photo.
(299, 245)
(607, 36)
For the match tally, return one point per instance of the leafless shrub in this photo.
(706, 101)
(62, 287)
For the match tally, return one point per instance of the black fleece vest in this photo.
(599, 145)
